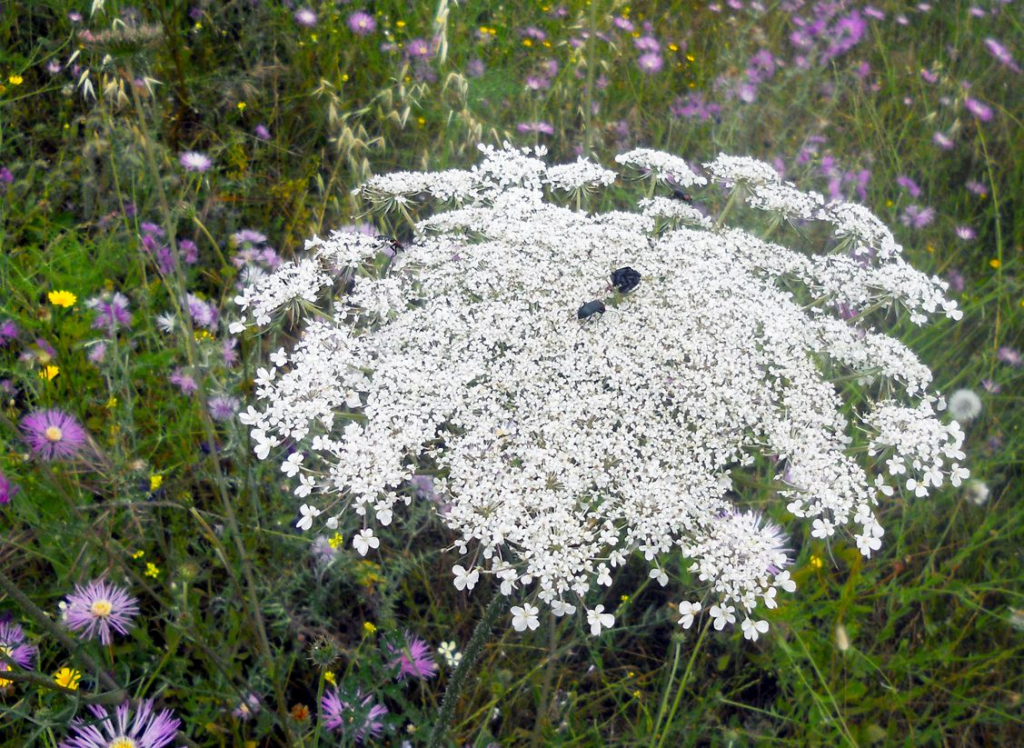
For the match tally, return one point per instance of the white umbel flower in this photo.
(568, 440)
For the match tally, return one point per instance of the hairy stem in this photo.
(469, 657)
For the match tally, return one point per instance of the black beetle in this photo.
(590, 309)
(625, 279)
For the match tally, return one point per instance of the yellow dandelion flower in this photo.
(691, 58)
(673, 47)
(49, 372)
(62, 298)
(421, 121)
(241, 105)
(329, 677)
(344, 77)
(369, 628)
(67, 678)
(527, 42)
(994, 264)
(400, 24)
(152, 570)
(15, 80)
(155, 481)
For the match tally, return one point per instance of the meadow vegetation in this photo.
(156, 159)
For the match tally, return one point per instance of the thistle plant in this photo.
(586, 387)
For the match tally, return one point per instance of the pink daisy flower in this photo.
(195, 161)
(359, 714)
(99, 607)
(414, 660)
(12, 644)
(53, 434)
(147, 729)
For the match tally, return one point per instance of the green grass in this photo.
(934, 649)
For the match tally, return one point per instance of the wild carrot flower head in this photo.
(630, 410)
(413, 659)
(125, 727)
(53, 434)
(354, 715)
(12, 644)
(99, 608)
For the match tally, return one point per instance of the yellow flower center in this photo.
(101, 609)
(53, 434)
(123, 743)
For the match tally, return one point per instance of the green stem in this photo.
(588, 97)
(683, 681)
(469, 657)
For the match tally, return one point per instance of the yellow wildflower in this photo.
(329, 677)
(138, 554)
(49, 372)
(111, 403)
(336, 540)
(152, 570)
(155, 481)
(369, 628)
(15, 80)
(62, 298)
(67, 678)
(994, 264)
(527, 42)
(241, 105)
(816, 562)
(400, 24)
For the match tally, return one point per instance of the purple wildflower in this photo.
(183, 381)
(323, 552)
(909, 185)
(873, 12)
(223, 407)
(228, 352)
(195, 161)
(203, 313)
(991, 386)
(111, 312)
(305, 17)
(647, 44)
(189, 251)
(980, 110)
(6, 178)
(623, 24)
(942, 141)
(248, 708)
(929, 76)
(361, 24)
(53, 434)
(1002, 54)
(97, 352)
(359, 714)
(8, 331)
(1010, 356)
(694, 106)
(12, 644)
(414, 659)
(261, 132)
(914, 216)
(417, 48)
(147, 729)
(537, 83)
(975, 187)
(7, 489)
(152, 229)
(475, 68)
(538, 127)
(956, 280)
(761, 66)
(650, 63)
(965, 232)
(99, 607)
